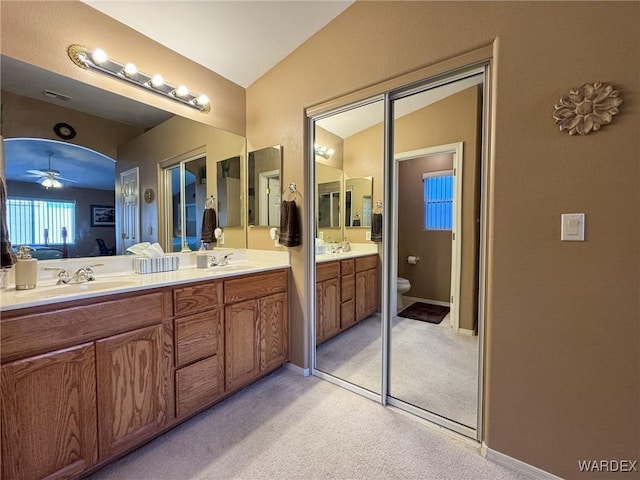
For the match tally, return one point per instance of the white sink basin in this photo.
(77, 288)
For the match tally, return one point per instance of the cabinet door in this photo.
(241, 342)
(330, 309)
(319, 338)
(49, 424)
(133, 387)
(274, 331)
(372, 292)
(361, 296)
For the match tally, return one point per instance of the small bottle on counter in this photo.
(202, 257)
(26, 269)
(346, 246)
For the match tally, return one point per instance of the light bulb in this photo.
(182, 91)
(330, 151)
(202, 100)
(99, 56)
(46, 182)
(130, 69)
(157, 81)
(316, 146)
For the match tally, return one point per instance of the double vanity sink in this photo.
(115, 275)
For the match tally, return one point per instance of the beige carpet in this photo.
(290, 427)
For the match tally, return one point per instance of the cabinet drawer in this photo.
(347, 267)
(348, 288)
(198, 336)
(255, 286)
(31, 334)
(326, 271)
(197, 298)
(366, 263)
(198, 385)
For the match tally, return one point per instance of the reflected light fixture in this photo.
(323, 151)
(99, 61)
(48, 182)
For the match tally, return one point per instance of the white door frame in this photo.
(456, 149)
(129, 209)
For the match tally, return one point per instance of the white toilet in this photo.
(403, 287)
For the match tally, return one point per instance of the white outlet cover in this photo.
(572, 227)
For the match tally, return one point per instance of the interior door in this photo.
(130, 209)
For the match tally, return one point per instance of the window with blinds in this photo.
(33, 221)
(438, 200)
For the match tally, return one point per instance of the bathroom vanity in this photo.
(346, 291)
(88, 378)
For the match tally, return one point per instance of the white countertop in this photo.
(357, 250)
(117, 276)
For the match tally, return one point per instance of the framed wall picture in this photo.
(103, 216)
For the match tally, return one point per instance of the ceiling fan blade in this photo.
(39, 173)
(62, 179)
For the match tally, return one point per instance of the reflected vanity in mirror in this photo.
(264, 189)
(329, 189)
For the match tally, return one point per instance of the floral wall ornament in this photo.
(586, 108)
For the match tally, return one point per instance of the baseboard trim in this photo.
(305, 372)
(426, 300)
(516, 465)
(467, 332)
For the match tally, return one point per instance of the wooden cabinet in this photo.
(133, 384)
(346, 292)
(49, 415)
(366, 286)
(84, 381)
(256, 327)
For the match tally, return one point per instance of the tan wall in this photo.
(30, 118)
(431, 277)
(39, 33)
(562, 323)
(171, 142)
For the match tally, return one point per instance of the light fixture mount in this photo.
(84, 58)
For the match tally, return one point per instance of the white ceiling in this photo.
(240, 39)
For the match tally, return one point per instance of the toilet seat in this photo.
(403, 282)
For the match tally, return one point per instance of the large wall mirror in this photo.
(358, 195)
(264, 189)
(125, 136)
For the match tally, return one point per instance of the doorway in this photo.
(432, 370)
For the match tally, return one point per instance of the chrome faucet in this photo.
(221, 260)
(85, 274)
(63, 275)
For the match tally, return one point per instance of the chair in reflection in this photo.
(103, 248)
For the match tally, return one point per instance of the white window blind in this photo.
(438, 200)
(33, 221)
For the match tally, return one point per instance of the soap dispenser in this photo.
(346, 246)
(26, 269)
(202, 257)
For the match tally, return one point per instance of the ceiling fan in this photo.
(50, 177)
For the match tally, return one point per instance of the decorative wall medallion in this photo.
(586, 108)
(64, 131)
(149, 195)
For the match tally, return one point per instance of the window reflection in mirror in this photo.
(329, 202)
(264, 187)
(357, 210)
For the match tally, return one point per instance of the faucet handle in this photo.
(63, 275)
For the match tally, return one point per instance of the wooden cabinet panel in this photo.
(241, 343)
(329, 316)
(348, 288)
(31, 334)
(327, 271)
(274, 331)
(371, 302)
(347, 314)
(49, 415)
(133, 375)
(347, 267)
(197, 298)
(366, 263)
(361, 296)
(199, 336)
(199, 384)
(255, 286)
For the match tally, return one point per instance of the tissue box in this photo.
(155, 265)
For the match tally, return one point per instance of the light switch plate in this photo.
(367, 235)
(572, 228)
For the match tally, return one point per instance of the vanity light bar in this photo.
(323, 151)
(99, 61)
